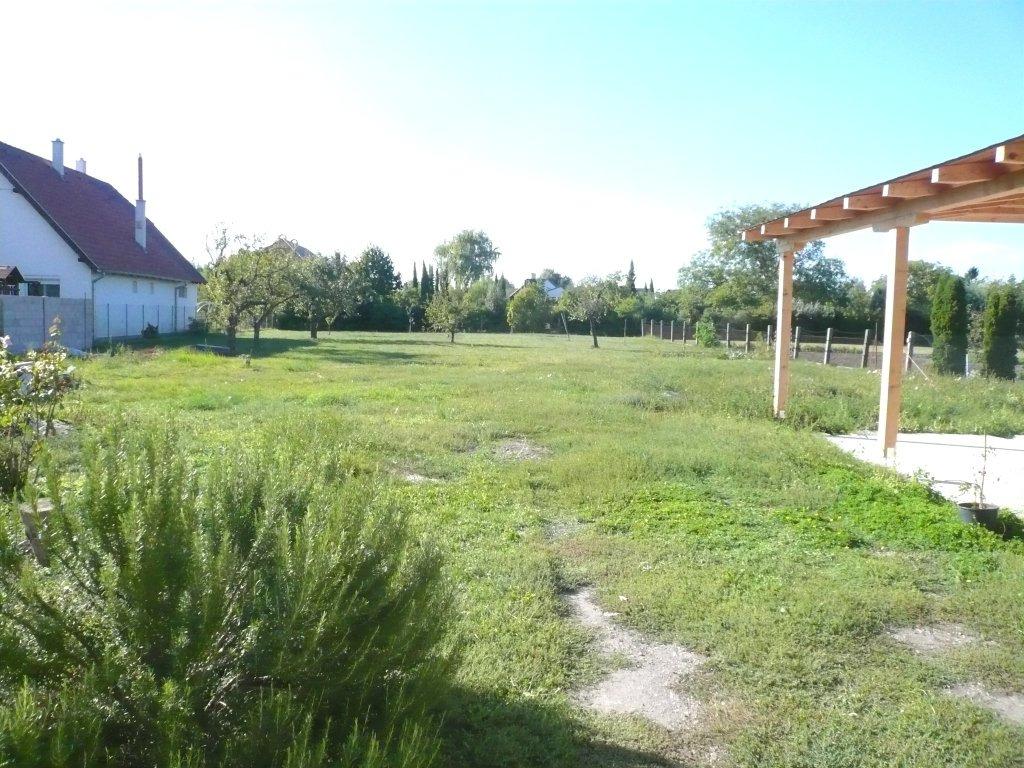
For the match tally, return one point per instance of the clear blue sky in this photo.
(577, 134)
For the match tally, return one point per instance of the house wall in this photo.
(28, 242)
(125, 305)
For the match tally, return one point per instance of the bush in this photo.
(529, 310)
(949, 325)
(247, 614)
(999, 334)
(150, 331)
(704, 334)
(198, 326)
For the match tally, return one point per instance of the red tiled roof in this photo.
(94, 219)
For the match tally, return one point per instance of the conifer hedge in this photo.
(999, 334)
(949, 326)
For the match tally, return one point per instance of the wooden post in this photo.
(746, 339)
(652, 326)
(783, 320)
(661, 329)
(625, 323)
(895, 323)
(866, 348)
(768, 337)
(910, 352)
(796, 343)
(684, 333)
(828, 346)
(671, 330)
(728, 335)
(641, 327)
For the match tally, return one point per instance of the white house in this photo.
(72, 236)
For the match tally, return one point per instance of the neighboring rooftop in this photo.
(94, 219)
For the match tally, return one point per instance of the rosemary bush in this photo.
(252, 612)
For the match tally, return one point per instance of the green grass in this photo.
(751, 541)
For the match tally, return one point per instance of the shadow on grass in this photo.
(483, 730)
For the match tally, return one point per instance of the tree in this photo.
(324, 291)
(415, 278)
(247, 283)
(448, 311)
(529, 309)
(590, 300)
(631, 278)
(949, 325)
(426, 286)
(999, 328)
(466, 258)
(375, 273)
(408, 297)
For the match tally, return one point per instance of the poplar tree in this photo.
(999, 334)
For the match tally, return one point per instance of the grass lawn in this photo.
(662, 479)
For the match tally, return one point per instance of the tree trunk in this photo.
(232, 338)
(312, 328)
(451, 335)
(256, 334)
(593, 333)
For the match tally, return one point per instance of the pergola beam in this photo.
(912, 188)
(965, 173)
(1011, 153)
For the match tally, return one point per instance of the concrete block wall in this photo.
(27, 320)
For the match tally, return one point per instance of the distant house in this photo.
(68, 235)
(552, 291)
(297, 250)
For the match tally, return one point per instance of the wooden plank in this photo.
(772, 228)
(891, 392)
(904, 189)
(752, 235)
(865, 202)
(830, 213)
(1010, 154)
(965, 173)
(801, 220)
(784, 322)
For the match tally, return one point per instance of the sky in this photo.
(577, 135)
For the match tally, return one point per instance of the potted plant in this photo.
(978, 511)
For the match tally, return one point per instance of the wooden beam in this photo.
(830, 213)
(775, 228)
(800, 220)
(1011, 154)
(891, 392)
(752, 235)
(865, 202)
(913, 188)
(965, 173)
(784, 323)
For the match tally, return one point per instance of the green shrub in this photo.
(250, 613)
(999, 329)
(705, 335)
(949, 326)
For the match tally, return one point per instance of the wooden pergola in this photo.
(984, 186)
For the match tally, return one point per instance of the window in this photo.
(37, 288)
(181, 291)
(135, 286)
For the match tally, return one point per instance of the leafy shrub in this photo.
(252, 613)
(31, 392)
(704, 334)
(198, 327)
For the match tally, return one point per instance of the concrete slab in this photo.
(950, 461)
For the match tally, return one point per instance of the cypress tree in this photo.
(949, 326)
(631, 278)
(425, 285)
(999, 334)
(415, 277)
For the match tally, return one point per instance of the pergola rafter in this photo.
(986, 185)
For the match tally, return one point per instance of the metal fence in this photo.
(127, 321)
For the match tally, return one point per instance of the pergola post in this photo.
(892, 351)
(783, 324)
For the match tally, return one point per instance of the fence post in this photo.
(910, 351)
(864, 350)
(625, 324)
(684, 333)
(661, 330)
(768, 337)
(828, 346)
(126, 320)
(652, 326)
(746, 339)
(796, 342)
(671, 330)
(728, 335)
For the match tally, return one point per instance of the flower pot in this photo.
(978, 512)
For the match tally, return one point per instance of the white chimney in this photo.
(140, 213)
(80, 165)
(58, 156)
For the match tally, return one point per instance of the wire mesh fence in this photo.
(127, 321)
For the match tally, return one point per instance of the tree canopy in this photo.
(467, 257)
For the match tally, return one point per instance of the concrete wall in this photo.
(28, 242)
(27, 320)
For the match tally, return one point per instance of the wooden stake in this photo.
(910, 351)
(661, 329)
(728, 335)
(796, 343)
(784, 318)
(746, 339)
(768, 337)
(671, 330)
(684, 332)
(895, 323)
(828, 346)
(867, 346)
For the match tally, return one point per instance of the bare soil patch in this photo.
(649, 686)
(1008, 706)
(935, 638)
(519, 449)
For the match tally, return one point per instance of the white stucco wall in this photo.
(125, 305)
(28, 242)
